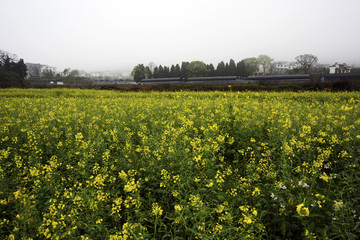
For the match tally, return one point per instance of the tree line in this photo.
(243, 68)
(12, 71)
(9, 63)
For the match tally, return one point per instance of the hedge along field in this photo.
(87, 164)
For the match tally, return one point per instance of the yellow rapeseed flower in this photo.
(156, 209)
(302, 211)
(254, 212)
(247, 219)
(178, 207)
(338, 205)
(122, 174)
(256, 191)
(210, 184)
(325, 177)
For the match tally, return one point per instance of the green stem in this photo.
(156, 219)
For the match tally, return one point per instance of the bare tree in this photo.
(66, 72)
(7, 57)
(151, 66)
(306, 62)
(265, 62)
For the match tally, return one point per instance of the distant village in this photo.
(38, 71)
(284, 67)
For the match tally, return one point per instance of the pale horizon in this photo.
(115, 36)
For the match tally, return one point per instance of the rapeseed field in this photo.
(88, 164)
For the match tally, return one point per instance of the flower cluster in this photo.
(89, 164)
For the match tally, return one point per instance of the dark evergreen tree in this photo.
(148, 73)
(232, 68)
(211, 69)
(241, 69)
(172, 71)
(156, 72)
(13, 73)
(184, 69)
(177, 71)
(166, 72)
(220, 69)
(226, 73)
(9, 79)
(7, 63)
(21, 68)
(161, 72)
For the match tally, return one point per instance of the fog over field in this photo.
(116, 35)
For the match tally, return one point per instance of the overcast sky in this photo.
(118, 34)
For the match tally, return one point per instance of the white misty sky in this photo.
(118, 34)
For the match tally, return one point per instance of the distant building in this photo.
(108, 75)
(126, 75)
(283, 66)
(339, 68)
(82, 73)
(46, 67)
(35, 69)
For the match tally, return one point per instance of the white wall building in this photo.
(36, 69)
(284, 66)
(339, 68)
